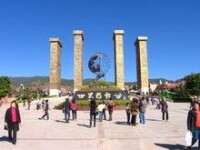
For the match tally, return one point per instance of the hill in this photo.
(43, 81)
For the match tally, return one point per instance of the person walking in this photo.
(142, 110)
(110, 108)
(193, 124)
(164, 110)
(93, 107)
(100, 107)
(29, 103)
(128, 113)
(12, 121)
(74, 108)
(104, 110)
(66, 110)
(134, 111)
(46, 110)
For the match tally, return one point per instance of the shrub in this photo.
(85, 103)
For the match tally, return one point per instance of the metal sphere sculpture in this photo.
(99, 64)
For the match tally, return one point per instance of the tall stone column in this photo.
(142, 64)
(55, 66)
(119, 58)
(78, 59)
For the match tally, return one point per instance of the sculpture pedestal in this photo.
(54, 92)
(144, 91)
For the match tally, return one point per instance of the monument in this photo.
(119, 58)
(142, 64)
(141, 61)
(55, 67)
(78, 59)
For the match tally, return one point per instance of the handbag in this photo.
(5, 127)
(188, 138)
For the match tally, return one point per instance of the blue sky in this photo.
(172, 27)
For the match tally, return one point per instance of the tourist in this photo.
(104, 110)
(29, 103)
(142, 110)
(46, 110)
(100, 107)
(24, 103)
(1, 102)
(70, 97)
(164, 109)
(43, 103)
(193, 124)
(38, 104)
(74, 108)
(128, 113)
(12, 121)
(193, 101)
(134, 111)
(110, 106)
(158, 104)
(93, 112)
(66, 110)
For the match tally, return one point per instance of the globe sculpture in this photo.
(99, 64)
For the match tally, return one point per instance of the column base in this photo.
(54, 92)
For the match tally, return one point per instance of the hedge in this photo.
(85, 103)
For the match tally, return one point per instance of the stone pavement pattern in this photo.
(54, 134)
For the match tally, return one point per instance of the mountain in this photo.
(43, 81)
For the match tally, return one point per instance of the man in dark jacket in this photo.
(191, 121)
(93, 112)
(12, 121)
(66, 110)
(164, 109)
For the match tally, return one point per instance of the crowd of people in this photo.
(135, 108)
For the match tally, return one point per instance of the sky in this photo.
(172, 28)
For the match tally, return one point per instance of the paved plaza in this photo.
(55, 134)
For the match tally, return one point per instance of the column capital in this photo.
(78, 32)
(51, 40)
(120, 32)
(141, 38)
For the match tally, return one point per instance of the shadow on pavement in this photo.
(121, 123)
(4, 139)
(172, 147)
(83, 125)
(153, 120)
(61, 121)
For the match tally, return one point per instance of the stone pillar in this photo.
(142, 64)
(78, 59)
(55, 67)
(119, 58)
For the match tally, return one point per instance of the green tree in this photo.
(5, 86)
(192, 84)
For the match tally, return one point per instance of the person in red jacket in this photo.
(74, 108)
(12, 121)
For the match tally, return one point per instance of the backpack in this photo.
(197, 122)
(110, 106)
(74, 106)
